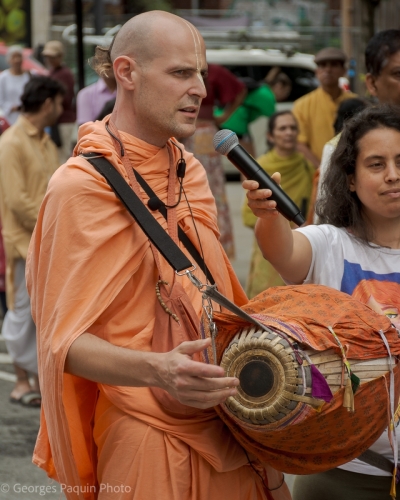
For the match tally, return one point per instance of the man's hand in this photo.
(258, 199)
(191, 382)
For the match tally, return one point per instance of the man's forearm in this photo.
(230, 108)
(308, 154)
(96, 359)
(191, 382)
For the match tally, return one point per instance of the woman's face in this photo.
(377, 174)
(281, 91)
(284, 135)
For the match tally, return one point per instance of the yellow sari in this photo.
(296, 174)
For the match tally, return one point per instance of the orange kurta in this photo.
(91, 269)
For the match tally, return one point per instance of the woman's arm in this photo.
(288, 251)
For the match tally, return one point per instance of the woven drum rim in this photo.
(255, 343)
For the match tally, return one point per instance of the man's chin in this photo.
(185, 131)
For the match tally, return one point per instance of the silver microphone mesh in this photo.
(224, 141)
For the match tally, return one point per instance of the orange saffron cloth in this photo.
(90, 269)
(310, 441)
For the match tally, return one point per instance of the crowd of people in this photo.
(103, 334)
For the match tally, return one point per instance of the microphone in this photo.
(226, 142)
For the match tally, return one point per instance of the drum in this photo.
(315, 372)
(276, 377)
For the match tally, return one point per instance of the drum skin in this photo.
(305, 435)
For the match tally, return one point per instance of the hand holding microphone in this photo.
(227, 143)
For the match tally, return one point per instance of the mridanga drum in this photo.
(316, 372)
(276, 378)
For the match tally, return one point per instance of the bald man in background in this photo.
(105, 432)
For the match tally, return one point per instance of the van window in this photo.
(303, 80)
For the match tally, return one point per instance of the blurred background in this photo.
(289, 25)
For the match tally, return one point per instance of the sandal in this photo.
(32, 399)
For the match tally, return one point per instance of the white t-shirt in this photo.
(341, 261)
(11, 89)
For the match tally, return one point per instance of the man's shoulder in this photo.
(14, 136)
(306, 99)
(77, 177)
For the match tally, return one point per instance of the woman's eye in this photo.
(391, 315)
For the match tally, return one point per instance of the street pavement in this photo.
(19, 478)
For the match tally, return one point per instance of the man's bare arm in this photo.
(308, 154)
(231, 107)
(190, 382)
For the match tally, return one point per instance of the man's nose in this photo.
(198, 87)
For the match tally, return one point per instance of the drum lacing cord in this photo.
(260, 476)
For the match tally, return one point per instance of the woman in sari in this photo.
(297, 174)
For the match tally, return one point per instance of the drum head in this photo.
(269, 374)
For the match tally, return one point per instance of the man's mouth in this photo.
(190, 110)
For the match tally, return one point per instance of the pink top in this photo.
(90, 101)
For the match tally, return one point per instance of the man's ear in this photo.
(125, 71)
(351, 182)
(370, 84)
(48, 103)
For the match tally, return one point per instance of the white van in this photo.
(254, 65)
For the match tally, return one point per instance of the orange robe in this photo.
(91, 269)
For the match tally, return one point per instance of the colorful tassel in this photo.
(355, 382)
(393, 488)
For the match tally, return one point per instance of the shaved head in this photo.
(159, 62)
(142, 36)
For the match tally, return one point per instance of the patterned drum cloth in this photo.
(315, 377)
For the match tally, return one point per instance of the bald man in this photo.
(122, 417)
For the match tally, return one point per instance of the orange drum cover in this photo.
(314, 440)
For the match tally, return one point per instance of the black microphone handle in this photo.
(252, 170)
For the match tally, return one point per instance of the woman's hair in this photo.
(276, 75)
(272, 123)
(338, 205)
(101, 61)
(347, 109)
